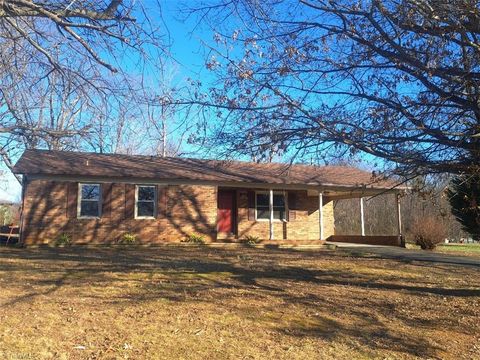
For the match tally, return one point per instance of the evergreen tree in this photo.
(464, 197)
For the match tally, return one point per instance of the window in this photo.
(89, 205)
(145, 202)
(263, 207)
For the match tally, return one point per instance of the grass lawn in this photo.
(205, 303)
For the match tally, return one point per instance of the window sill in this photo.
(268, 220)
(88, 217)
(145, 218)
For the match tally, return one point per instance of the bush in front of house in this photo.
(194, 239)
(250, 240)
(128, 239)
(428, 232)
(63, 239)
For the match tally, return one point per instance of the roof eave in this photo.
(172, 181)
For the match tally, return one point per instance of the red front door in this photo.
(225, 212)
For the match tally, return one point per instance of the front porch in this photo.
(296, 216)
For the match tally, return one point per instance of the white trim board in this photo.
(155, 201)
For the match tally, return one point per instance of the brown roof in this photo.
(46, 162)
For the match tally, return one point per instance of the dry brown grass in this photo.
(199, 303)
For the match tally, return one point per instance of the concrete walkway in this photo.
(391, 252)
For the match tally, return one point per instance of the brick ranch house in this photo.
(98, 198)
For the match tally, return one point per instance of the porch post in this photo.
(362, 217)
(399, 220)
(270, 204)
(320, 213)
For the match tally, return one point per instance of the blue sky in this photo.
(10, 189)
(188, 57)
(186, 51)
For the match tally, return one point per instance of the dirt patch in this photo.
(196, 303)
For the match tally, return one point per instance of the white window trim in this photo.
(154, 201)
(79, 201)
(284, 193)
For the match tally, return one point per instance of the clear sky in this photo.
(188, 61)
(10, 188)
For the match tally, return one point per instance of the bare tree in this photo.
(397, 80)
(61, 72)
(168, 123)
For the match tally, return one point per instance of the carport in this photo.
(362, 194)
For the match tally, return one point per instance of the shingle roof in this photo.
(46, 162)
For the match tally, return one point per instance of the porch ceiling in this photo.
(358, 193)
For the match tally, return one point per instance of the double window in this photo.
(145, 201)
(90, 201)
(89, 204)
(263, 206)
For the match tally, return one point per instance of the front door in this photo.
(225, 217)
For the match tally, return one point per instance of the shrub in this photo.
(128, 238)
(63, 240)
(194, 239)
(428, 232)
(250, 240)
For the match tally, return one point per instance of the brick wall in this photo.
(186, 209)
(303, 225)
(189, 209)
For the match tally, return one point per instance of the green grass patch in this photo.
(465, 248)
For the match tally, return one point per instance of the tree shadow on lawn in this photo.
(374, 336)
(101, 261)
(187, 275)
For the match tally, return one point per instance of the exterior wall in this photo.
(189, 209)
(304, 225)
(329, 219)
